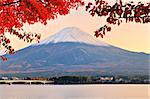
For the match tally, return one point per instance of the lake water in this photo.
(74, 91)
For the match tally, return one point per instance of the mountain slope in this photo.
(67, 56)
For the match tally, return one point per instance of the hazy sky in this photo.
(131, 36)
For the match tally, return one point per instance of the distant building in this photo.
(119, 80)
(39, 78)
(15, 78)
(147, 81)
(106, 79)
(4, 78)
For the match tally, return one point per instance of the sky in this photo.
(129, 36)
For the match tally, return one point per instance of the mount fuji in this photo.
(72, 34)
(74, 52)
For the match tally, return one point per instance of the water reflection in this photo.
(74, 92)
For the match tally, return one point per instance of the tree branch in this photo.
(7, 4)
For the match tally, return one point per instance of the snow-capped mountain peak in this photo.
(72, 34)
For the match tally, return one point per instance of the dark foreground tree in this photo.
(117, 13)
(15, 13)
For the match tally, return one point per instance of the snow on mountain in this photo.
(72, 34)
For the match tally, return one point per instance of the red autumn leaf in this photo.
(8, 41)
(102, 36)
(108, 28)
(96, 33)
(119, 11)
(3, 58)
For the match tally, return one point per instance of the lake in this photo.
(74, 91)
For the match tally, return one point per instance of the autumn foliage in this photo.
(117, 13)
(15, 13)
